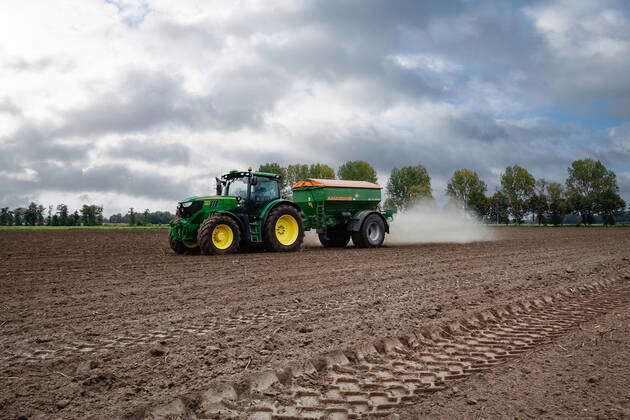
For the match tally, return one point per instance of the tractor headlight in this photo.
(187, 204)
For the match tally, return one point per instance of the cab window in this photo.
(265, 189)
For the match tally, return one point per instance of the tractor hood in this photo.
(207, 198)
(199, 198)
(202, 206)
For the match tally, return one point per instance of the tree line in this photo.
(589, 191)
(147, 217)
(88, 215)
(35, 215)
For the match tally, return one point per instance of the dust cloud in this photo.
(311, 240)
(426, 223)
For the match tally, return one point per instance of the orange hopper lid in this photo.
(339, 183)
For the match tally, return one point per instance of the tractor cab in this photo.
(252, 189)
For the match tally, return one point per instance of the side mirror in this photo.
(219, 186)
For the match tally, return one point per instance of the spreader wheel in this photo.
(371, 234)
(334, 237)
(284, 229)
(218, 235)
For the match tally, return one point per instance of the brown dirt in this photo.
(100, 323)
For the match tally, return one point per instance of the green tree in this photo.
(408, 185)
(30, 216)
(160, 217)
(85, 215)
(75, 219)
(54, 220)
(91, 215)
(116, 218)
(321, 171)
(498, 211)
(300, 172)
(131, 217)
(609, 205)
(18, 216)
(49, 217)
(357, 170)
(539, 202)
(275, 168)
(6, 217)
(296, 173)
(518, 186)
(467, 188)
(589, 183)
(558, 204)
(62, 211)
(145, 216)
(389, 204)
(40, 215)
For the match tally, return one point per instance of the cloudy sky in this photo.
(138, 103)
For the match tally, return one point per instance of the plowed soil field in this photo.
(106, 324)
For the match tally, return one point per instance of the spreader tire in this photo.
(371, 234)
(284, 229)
(334, 237)
(218, 235)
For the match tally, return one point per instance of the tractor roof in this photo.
(267, 174)
(239, 174)
(338, 183)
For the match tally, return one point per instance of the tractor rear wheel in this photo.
(371, 234)
(183, 248)
(284, 229)
(218, 235)
(334, 237)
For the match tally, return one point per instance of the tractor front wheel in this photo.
(183, 248)
(334, 237)
(284, 229)
(218, 235)
(371, 234)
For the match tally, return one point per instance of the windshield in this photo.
(237, 187)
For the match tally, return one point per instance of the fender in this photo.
(273, 204)
(357, 220)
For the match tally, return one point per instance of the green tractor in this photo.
(249, 210)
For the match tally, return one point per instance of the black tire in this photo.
(334, 237)
(180, 248)
(209, 227)
(371, 234)
(272, 233)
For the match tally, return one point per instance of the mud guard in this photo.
(357, 220)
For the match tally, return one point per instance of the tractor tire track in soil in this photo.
(376, 379)
(135, 338)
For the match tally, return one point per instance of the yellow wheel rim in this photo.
(190, 244)
(222, 236)
(287, 229)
